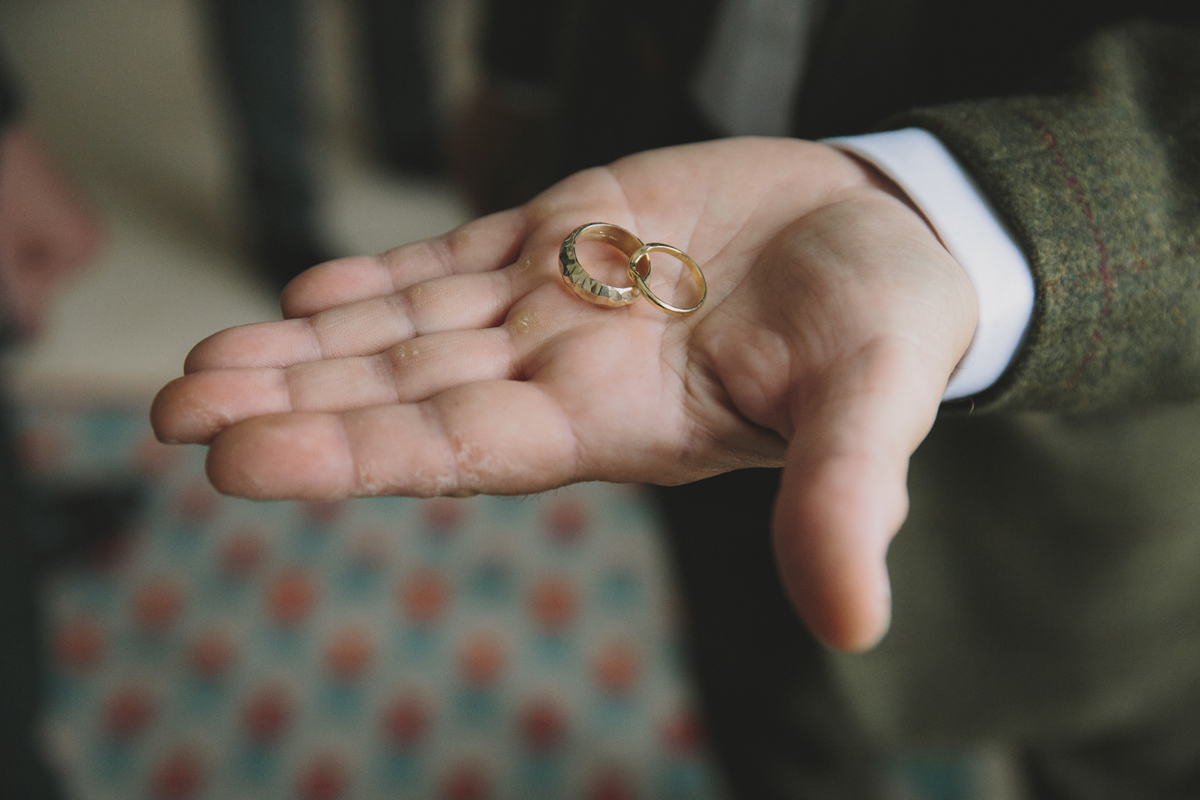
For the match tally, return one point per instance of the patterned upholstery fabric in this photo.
(489, 647)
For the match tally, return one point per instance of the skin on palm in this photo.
(463, 364)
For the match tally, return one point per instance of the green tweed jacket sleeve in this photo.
(1100, 182)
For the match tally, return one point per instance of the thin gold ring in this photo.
(588, 287)
(640, 281)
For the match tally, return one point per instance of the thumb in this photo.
(843, 496)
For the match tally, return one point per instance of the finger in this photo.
(198, 406)
(366, 327)
(480, 246)
(499, 437)
(843, 496)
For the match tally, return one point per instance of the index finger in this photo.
(486, 244)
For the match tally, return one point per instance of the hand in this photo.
(464, 364)
(47, 230)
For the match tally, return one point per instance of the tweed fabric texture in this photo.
(1100, 185)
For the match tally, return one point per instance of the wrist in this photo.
(876, 179)
(973, 233)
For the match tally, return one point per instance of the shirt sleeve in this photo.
(973, 233)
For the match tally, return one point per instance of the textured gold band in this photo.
(588, 287)
(639, 279)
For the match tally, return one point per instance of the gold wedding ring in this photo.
(640, 281)
(638, 254)
(588, 287)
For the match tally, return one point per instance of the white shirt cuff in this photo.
(973, 233)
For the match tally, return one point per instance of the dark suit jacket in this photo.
(9, 100)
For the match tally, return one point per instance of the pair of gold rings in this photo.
(638, 253)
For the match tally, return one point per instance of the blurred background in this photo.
(128, 95)
(207, 647)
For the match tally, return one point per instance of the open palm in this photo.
(464, 364)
